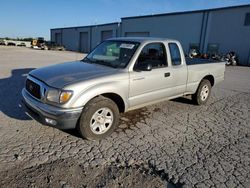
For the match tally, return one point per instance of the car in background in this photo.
(2, 43)
(53, 46)
(11, 44)
(22, 44)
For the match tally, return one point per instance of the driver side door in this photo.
(149, 85)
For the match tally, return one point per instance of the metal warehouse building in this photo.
(84, 38)
(211, 31)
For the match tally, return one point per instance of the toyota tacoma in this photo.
(119, 75)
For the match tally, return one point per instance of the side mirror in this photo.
(144, 67)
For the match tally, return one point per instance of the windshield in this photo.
(116, 54)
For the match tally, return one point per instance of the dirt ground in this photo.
(113, 175)
(170, 144)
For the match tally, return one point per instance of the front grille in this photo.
(33, 88)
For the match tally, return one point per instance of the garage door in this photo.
(58, 38)
(136, 34)
(84, 42)
(107, 34)
(249, 59)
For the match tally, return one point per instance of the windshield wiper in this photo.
(100, 62)
(105, 63)
(87, 60)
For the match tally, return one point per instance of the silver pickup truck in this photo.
(119, 75)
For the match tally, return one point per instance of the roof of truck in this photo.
(141, 39)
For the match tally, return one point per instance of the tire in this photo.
(234, 63)
(203, 92)
(99, 118)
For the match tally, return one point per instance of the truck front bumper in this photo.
(50, 115)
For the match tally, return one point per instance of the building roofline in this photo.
(77, 27)
(155, 15)
(186, 12)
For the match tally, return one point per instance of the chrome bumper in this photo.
(50, 115)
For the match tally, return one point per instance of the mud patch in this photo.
(68, 174)
(129, 119)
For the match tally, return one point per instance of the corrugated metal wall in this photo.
(84, 38)
(184, 27)
(227, 28)
(224, 29)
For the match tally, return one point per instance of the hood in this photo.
(64, 74)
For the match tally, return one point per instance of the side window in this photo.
(175, 54)
(154, 54)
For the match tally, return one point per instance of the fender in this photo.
(120, 88)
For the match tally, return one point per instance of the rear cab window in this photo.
(175, 54)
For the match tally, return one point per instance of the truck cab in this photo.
(167, 76)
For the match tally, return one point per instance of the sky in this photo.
(35, 18)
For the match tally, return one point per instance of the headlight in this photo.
(57, 96)
(53, 95)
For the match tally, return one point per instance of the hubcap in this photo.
(204, 92)
(101, 120)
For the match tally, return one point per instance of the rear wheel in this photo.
(203, 92)
(99, 118)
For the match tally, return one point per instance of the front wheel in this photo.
(99, 118)
(203, 92)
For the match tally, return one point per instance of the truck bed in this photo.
(201, 68)
(195, 61)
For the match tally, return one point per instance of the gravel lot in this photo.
(174, 141)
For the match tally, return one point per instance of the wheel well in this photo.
(117, 99)
(210, 78)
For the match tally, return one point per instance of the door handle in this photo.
(140, 78)
(167, 74)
